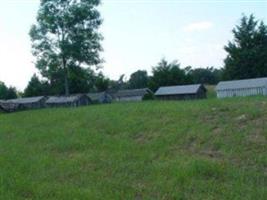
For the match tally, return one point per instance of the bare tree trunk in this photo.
(66, 81)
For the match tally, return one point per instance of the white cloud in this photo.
(198, 26)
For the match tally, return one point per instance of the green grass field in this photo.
(206, 149)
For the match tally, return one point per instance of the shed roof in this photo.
(26, 100)
(134, 92)
(64, 99)
(96, 96)
(245, 83)
(179, 89)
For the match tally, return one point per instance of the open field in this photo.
(207, 149)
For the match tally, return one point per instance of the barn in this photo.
(245, 87)
(181, 92)
(133, 95)
(29, 102)
(100, 97)
(68, 101)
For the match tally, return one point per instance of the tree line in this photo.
(66, 43)
(170, 73)
(83, 80)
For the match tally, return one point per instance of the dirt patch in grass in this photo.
(27, 194)
(211, 154)
(256, 134)
(257, 138)
(141, 138)
(216, 130)
(194, 148)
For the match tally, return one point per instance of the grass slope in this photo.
(210, 149)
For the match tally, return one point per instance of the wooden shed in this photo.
(9, 107)
(28, 103)
(100, 97)
(2, 109)
(132, 95)
(68, 101)
(181, 92)
(245, 87)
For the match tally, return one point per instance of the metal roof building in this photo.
(132, 95)
(246, 87)
(181, 92)
(9, 107)
(28, 102)
(68, 101)
(2, 106)
(100, 97)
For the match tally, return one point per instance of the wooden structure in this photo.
(132, 95)
(181, 92)
(68, 101)
(29, 102)
(13, 105)
(2, 103)
(101, 97)
(9, 107)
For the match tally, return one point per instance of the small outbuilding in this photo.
(27, 103)
(9, 107)
(1, 108)
(181, 92)
(2, 102)
(133, 95)
(100, 97)
(68, 101)
(245, 87)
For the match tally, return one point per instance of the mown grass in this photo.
(207, 149)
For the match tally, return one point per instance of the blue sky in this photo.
(138, 33)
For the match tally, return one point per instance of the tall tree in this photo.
(120, 84)
(7, 92)
(12, 93)
(36, 87)
(3, 90)
(101, 82)
(138, 79)
(166, 74)
(208, 75)
(66, 35)
(247, 53)
(82, 80)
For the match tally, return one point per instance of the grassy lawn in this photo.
(207, 149)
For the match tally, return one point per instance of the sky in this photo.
(137, 34)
